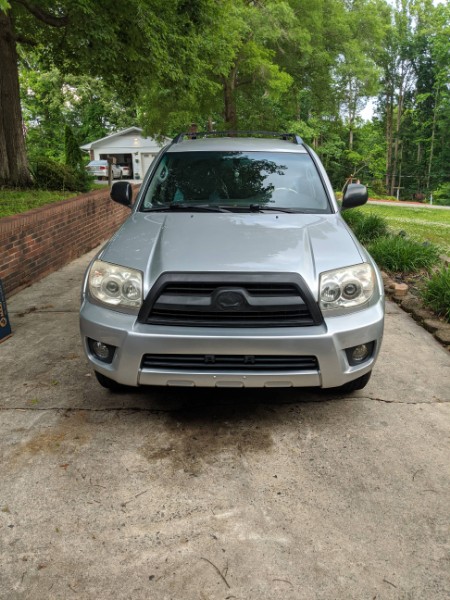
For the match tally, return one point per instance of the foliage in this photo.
(51, 101)
(436, 292)
(441, 196)
(401, 254)
(366, 226)
(73, 154)
(297, 65)
(51, 175)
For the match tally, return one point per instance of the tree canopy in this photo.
(90, 67)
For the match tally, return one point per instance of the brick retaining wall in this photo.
(35, 243)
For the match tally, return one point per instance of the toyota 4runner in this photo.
(234, 269)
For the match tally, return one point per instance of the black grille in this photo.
(233, 300)
(225, 362)
(256, 289)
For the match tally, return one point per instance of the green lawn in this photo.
(13, 202)
(422, 224)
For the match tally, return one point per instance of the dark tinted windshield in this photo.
(237, 180)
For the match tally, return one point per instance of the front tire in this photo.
(108, 383)
(352, 386)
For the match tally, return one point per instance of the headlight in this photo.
(115, 286)
(346, 288)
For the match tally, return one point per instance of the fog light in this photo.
(101, 351)
(359, 354)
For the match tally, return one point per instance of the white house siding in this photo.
(126, 147)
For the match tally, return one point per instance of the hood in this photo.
(297, 243)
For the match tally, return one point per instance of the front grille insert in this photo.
(228, 362)
(230, 300)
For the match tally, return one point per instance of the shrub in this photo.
(366, 226)
(436, 292)
(442, 194)
(51, 175)
(377, 187)
(397, 253)
(441, 201)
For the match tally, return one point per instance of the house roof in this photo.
(112, 137)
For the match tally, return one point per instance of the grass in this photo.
(13, 202)
(421, 224)
(436, 292)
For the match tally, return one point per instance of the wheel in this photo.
(108, 383)
(353, 386)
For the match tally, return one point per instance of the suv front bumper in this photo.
(327, 342)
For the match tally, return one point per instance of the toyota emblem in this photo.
(229, 301)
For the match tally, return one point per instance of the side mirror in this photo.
(355, 195)
(122, 192)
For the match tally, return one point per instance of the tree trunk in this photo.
(229, 89)
(389, 118)
(397, 141)
(14, 170)
(433, 135)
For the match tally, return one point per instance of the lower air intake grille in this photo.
(225, 362)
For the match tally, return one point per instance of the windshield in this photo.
(237, 181)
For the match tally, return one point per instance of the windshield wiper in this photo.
(187, 207)
(262, 208)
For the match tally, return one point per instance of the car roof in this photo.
(239, 144)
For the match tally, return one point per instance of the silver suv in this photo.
(234, 269)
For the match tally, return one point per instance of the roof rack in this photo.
(197, 134)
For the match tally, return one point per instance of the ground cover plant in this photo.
(397, 253)
(436, 292)
(366, 226)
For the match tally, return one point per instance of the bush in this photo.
(436, 292)
(377, 187)
(397, 253)
(442, 194)
(441, 201)
(51, 175)
(367, 227)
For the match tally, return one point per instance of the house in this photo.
(127, 148)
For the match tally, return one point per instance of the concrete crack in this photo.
(435, 401)
(131, 409)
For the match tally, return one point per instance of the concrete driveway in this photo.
(206, 494)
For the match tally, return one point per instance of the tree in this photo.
(13, 159)
(231, 63)
(357, 74)
(117, 42)
(51, 100)
(73, 154)
(413, 102)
